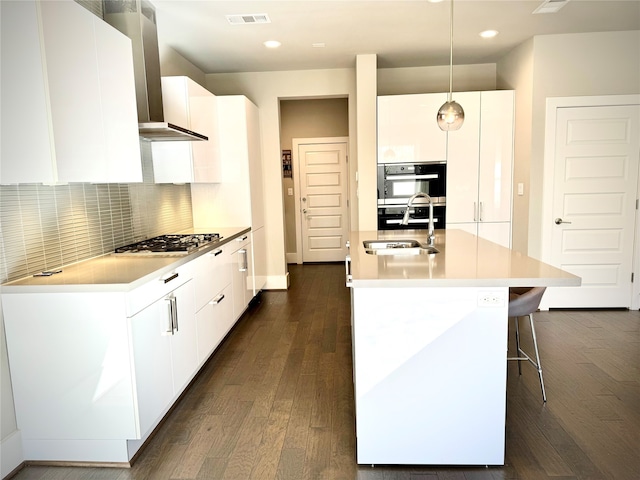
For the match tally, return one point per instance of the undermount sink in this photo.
(397, 247)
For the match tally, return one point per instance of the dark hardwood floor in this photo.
(276, 401)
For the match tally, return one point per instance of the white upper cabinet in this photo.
(188, 104)
(407, 129)
(480, 165)
(68, 97)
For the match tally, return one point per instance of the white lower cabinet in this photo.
(496, 232)
(214, 321)
(164, 348)
(93, 373)
(214, 300)
(242, 278)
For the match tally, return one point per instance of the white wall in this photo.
(266, 89)
(606, 63)
(515, 72)
(173, 64)
(397, 81)
(366, 140)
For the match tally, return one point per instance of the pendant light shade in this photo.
(451, 115)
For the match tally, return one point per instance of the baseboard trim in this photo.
(12, 454)
(292, 257)
(276, 282)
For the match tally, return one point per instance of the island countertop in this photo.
(465, 260)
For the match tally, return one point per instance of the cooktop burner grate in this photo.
(170, 244)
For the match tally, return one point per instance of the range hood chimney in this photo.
(137, 20)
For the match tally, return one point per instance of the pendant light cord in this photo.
(451, 52)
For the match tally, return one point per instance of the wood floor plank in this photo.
(268, 453)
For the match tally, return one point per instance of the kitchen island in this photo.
(430, 346)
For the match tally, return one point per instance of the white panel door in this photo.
(594, 199)
(324, 194)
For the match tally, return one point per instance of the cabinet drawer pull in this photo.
(217, 252)
(217, 300)
(168, 279)
(241, 239)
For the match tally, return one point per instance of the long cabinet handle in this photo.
(480, 212)
(175, 314)
(170, 315)
(347, 265)
(475, 217)
(217, 252)
(244, 265)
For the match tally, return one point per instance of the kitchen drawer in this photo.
(151, 291)
(211, 272)
(213, 322)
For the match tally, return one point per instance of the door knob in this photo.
(304, 199)
(304, 210)
(558, 221)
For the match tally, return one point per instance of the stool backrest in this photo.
(521, 304)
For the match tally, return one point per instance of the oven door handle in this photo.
(411, 220)
(428, 176)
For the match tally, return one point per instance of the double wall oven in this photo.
(398, 182)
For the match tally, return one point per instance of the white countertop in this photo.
(465, 260)
(116, 273)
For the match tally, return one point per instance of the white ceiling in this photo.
(402, 33)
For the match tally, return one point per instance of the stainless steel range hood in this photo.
(137, 20)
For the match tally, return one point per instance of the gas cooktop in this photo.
(177, 244)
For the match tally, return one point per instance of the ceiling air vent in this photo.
(550, 6)
(248, 19)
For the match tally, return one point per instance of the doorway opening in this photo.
(313, 121)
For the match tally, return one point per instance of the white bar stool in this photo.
(522, 303)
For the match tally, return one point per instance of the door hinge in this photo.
(637, 200)
(347, 202)
(631, 277)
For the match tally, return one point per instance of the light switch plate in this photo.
(521, 189)
(290, 191)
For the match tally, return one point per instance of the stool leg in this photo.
(537, 364)
(518, 351)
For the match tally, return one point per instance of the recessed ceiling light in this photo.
(489, 33)
(272, 44)
(318, 45)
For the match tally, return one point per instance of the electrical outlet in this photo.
(290, 192)
(520, 189)
(490, 299)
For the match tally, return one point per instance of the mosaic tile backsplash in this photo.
(43, 227)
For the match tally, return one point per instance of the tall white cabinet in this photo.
(68, 97)
(480, 166)
(238, 199)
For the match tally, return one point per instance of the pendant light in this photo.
(451, 115)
